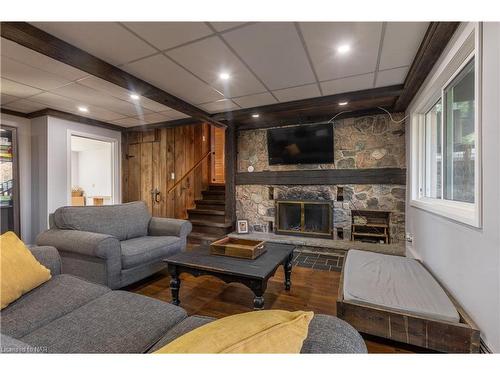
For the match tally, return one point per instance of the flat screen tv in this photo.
(304, 144)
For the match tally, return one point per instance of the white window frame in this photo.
(466, 45)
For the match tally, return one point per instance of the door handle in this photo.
(155, 195)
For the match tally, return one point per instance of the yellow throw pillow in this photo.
(20, 272)
(268, 331)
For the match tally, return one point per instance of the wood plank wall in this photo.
(150, 159)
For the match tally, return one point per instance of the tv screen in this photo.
(305, 144)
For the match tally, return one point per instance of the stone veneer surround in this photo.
(364, 142)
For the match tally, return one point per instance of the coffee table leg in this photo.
(175, 286)
(288, 272)
(258, 301)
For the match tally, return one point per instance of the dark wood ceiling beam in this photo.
(435, 40)
(72, 117)
(38, 40)
(163, 124)
(315, 109)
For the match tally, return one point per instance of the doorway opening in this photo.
(92, 172)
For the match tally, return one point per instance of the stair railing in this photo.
(188, 172)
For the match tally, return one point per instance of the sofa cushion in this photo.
(10, 345)
(123, 221)
(51, 300)
(183, 327)
(143, 250)
(328, 334)
(117, 322)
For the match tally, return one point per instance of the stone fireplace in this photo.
(305, 218)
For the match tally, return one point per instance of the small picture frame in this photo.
(242, 226)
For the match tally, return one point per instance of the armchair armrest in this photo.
(85, 243)
(162, 226)
(49, 257)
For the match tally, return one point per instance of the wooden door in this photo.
(217, 160)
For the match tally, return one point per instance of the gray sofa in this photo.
(113, 245)
(70, 315)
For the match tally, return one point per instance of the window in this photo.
(445, 128)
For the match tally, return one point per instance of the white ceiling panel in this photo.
(65, 104)
(222, 26)
(348, 84)
(4, 98)
(164, 35)
(127, 122)
(16, 71)
(175, 115)
(323, 39)
(255, 100)
(37, 60)
(391, 77)
(154, 117)
(25, 106)
(107, 40)
(401, 42)
(89, 96)
(274, 52)
(297, 93)
(220, 106)
(17, 89)
(210, 57)
(163, 73)
(120, 93)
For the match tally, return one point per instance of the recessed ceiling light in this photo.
(344, 48)
(224, 76)
(255, 115)
(83, 109)
(134, 96)
(343, 103)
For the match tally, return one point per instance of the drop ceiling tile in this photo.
(22, 73)
(69, 105)
(89, 96)
(37, 60)
(256, 100)
(164, 35)
(175, 115)
(106, 40)
(208, 58)
(154, 117)
(348, 84)
(121, 93)
(163, 73)
(222, 26)
(219, 106)
(4, 98)
(323, 39)
(391, 77)
(401, 43)
(274, 51)
(128, 122)
(297, 93)
(17, 89)
(25, 106)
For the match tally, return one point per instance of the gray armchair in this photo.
(113, 245)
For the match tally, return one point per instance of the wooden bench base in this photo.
(442, 336)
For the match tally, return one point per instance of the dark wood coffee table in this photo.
(252, 273)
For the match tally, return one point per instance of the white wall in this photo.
(23, 126)
(465, 259)
(58, 152)
(96, 181)
(75, 170)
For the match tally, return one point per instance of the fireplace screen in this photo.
(309, 218)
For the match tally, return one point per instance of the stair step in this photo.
(211, 227)
(210, 205)
(214, 195)
(218, 216)
(210, 201)
(204, 211)
(217, 187)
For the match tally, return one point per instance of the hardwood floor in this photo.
(314, 290)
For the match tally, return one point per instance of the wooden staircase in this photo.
(209, 216)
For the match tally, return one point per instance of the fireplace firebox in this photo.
(304, 218)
